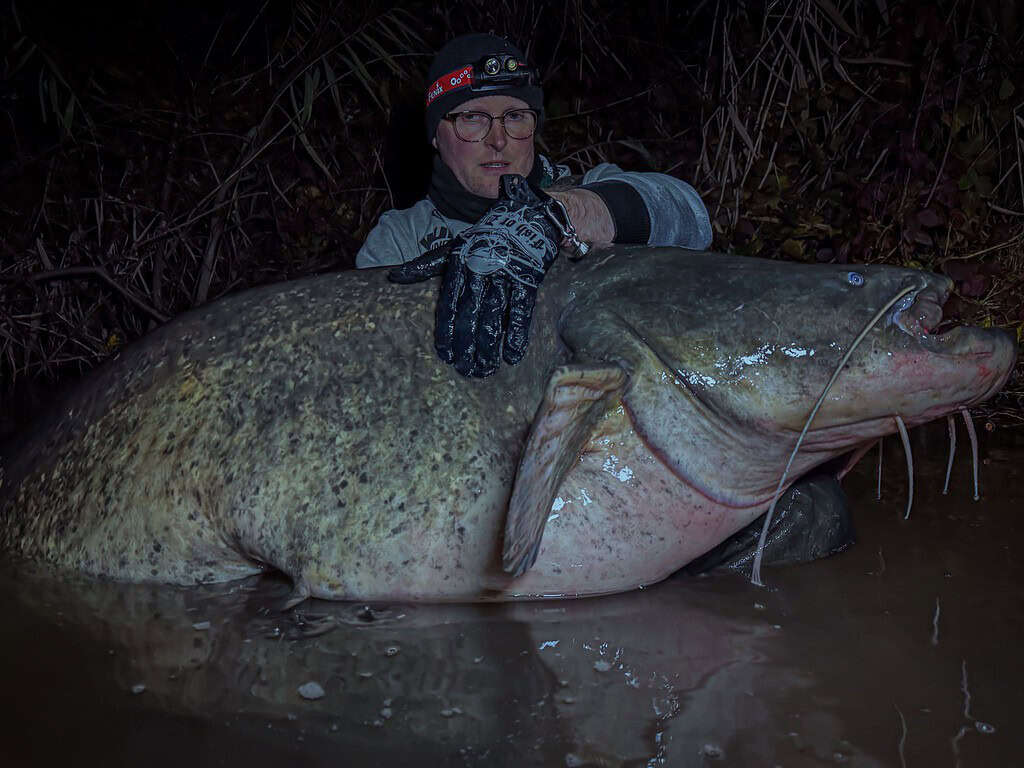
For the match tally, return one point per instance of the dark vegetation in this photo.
(157, 155)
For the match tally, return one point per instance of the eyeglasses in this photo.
(474, 126)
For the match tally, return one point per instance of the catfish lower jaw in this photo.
(967, 342)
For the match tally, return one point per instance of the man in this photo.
(494, 219)
(607, 206)
(484, 108)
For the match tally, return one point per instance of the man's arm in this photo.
(381, 247)
(613, 205)
(589, 215)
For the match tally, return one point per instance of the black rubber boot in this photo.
(812, 520)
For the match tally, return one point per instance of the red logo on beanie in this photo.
(457, 78)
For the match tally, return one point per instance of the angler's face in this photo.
(478, 165)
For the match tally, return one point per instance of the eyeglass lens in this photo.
(474, 126)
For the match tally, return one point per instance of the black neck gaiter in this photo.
(456, 202)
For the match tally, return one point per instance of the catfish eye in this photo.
(855, 278)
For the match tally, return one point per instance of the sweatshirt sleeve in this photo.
(403, 235)
(651, 208)
(382, 246)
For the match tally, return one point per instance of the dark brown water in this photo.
(904, 650)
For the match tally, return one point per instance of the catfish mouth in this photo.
(968, 362)
(922, 316)
(937, 365)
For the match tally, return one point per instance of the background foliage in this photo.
(157, 155)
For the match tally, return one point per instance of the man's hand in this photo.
(491, 274)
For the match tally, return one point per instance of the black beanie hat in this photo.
(465, 51)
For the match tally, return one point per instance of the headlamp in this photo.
(502, 70)
(493, 72)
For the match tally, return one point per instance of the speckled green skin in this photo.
(266, 427)
(309, 427)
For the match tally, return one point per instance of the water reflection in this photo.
(890, 654)
(609, 681)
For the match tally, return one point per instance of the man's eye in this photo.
(473, 118)
(515, 116)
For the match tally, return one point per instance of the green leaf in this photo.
(312, 81)
(314, 156)
(362, 74)
(335, 93)
(386, 57)
(43, 85)
(24, 57)
(68, 116)
(794, 249)
(964, 115)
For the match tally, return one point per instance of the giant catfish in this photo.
(308, 427)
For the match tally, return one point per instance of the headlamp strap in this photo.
(457, 78)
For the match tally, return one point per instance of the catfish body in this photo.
(308, 427)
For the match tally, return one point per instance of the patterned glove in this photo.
(491, 274)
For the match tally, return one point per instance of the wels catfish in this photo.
(308, 427)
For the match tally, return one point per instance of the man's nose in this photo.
(496, 137)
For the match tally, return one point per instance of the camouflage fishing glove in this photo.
(491, 274)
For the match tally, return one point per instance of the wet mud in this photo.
(902, 651)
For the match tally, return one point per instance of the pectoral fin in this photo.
(576, 398)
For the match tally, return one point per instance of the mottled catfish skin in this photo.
(308, 427)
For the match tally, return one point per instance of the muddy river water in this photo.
(905, 650)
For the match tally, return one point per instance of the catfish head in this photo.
(724, 358)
